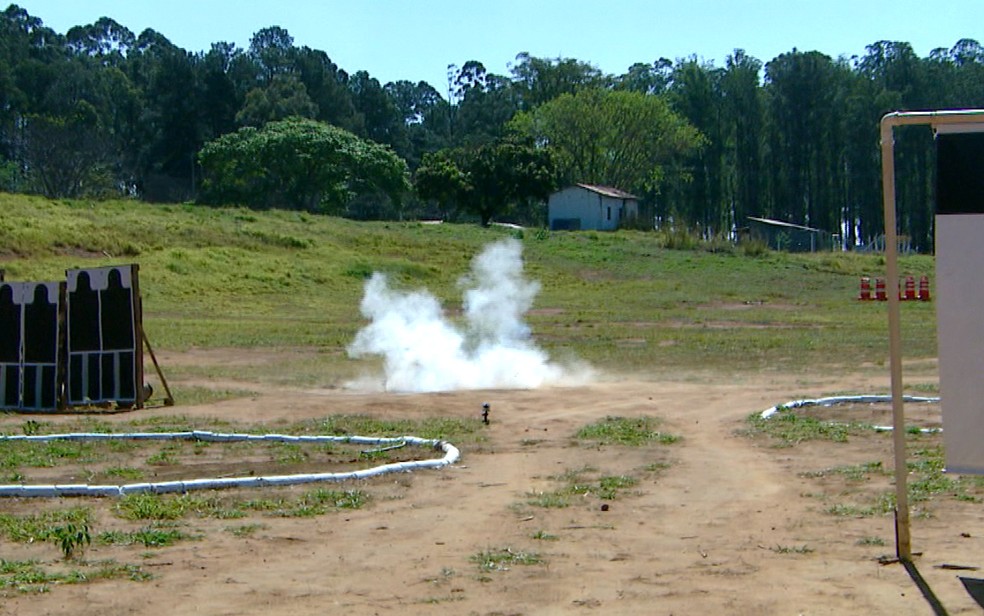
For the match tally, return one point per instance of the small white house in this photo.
(586, 206)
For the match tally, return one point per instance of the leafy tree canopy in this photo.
(490, 180)
(615, 138)
(299, 164)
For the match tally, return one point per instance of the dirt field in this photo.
(718, 523)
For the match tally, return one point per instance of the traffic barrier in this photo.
(865, 294)
(924, 289)
(910, 288)
(907, 290)
(880, 293)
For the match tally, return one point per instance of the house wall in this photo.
(593, 211)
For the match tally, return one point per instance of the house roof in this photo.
(608, 191)
(788, 225)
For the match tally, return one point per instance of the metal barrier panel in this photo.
(103, 345)
(29, 343)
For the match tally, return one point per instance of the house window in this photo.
(609, 212)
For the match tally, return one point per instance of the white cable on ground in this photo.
(863, 399)
(451, 455)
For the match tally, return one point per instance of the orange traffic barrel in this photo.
(865, 294)
(910, 288)
(924, 289)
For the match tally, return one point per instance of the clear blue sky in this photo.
(417, 39)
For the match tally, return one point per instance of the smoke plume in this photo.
(423, 351)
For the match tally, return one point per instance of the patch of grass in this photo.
(657, 467)
(579, 485)
(166, 456)
(194, 395)
(127, 473)
(870, 541)
(854, 472)
(38, 527)
(46, 454)
(549, 500)
(31, 576)
(153, 536)
(542, 535)
(501, 559)
(289, 453)
(792, 549)
(169, 507)
(245, 530)
(850, 511)
(146, 506)
(608, 487)
(788, 428)
(632, 432)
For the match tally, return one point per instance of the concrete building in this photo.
(586, 206)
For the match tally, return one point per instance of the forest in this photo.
(102, 112)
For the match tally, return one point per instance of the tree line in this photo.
(101, 111)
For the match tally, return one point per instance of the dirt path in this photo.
(717, 524)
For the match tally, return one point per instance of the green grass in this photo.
(167, 507)
(788, 427)
(245, 530)
(153, 536)
(227, 277)
(629, 431)
(580, 485)
(501, 559)
(39, 526)
(926, 484)
(852, 472)
(31, 576)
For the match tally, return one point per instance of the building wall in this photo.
(589, 209)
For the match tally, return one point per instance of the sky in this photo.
(416, 40)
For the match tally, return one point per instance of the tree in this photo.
(171, 127)
(695, 93)
(105, 40)
(483, 101)
(743, 127)
(539, 80)
(298, 164)
(327, 85)
(381, 120)
(652, 78)
(438, 177)
(804, 93)
(284, 97)
(273, 50)
(425, 117)
(615, 138)
(69, 156)
(489, 180)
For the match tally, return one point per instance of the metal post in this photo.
(903, 548)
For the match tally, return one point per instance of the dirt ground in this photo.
(718, 523)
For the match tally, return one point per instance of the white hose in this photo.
(451, 455)
(863, 399)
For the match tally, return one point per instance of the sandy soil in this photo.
(731, 526)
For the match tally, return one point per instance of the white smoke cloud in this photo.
(424, 352)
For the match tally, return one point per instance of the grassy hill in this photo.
(622, 301)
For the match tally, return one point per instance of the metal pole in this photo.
(903, 548)
(935, 119)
